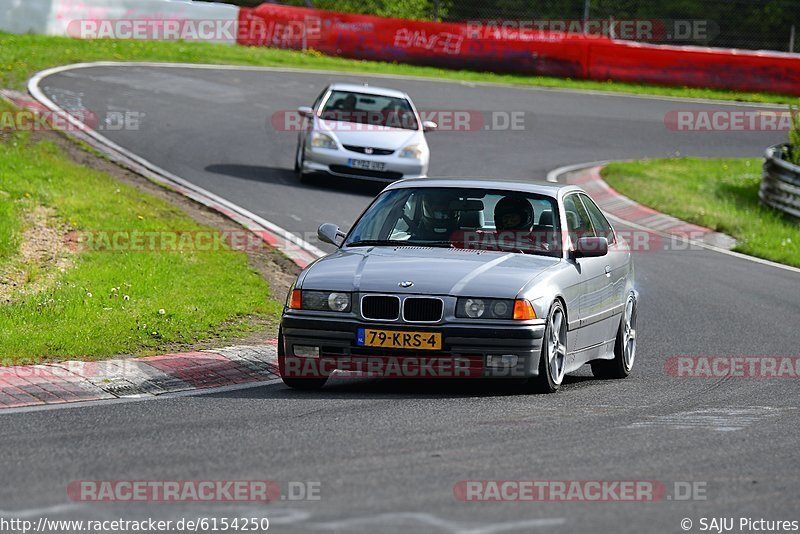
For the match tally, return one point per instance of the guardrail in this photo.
(780, 182)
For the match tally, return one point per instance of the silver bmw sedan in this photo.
(451, 278)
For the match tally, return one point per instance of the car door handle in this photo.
(608, 270)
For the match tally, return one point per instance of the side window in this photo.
(578, 222)
(599, 221)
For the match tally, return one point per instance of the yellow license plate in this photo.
(392, 339)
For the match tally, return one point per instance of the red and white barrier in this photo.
(541, 53)
(406, 41)
(462, 46)
(692, 66)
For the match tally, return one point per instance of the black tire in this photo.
(545, 382)
(622, 364)
(305, 384)
(302, 383)
(302, 177)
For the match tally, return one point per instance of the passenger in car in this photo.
(513, 213)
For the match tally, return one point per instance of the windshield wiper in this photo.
(398, 243)
(376, 243)
(440, 244)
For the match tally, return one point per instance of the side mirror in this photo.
(329, 233)
(429, 126)
(305, 111)
(591, 247)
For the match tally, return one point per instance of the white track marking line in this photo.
(437, 522)
(38, 512)
(38, 94)
(553, 176)
(250, 68)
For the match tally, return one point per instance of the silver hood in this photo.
(434, 271)
(372, 136)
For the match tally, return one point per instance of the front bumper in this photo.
(336, 163)
(466, 347)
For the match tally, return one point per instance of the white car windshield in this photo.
(374, 110)
(481, 219)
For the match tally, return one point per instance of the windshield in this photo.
(480, 219)
(373, 110)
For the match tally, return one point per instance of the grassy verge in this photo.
(717, 193)
(23, 55)
(63, 302)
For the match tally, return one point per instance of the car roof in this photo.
(367, 89)
(540, 187)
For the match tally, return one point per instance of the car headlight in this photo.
(337, 301)
(475, 308)
(321, 140)
(411, 152)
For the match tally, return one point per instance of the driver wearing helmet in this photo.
(438, 219)
(513, 213)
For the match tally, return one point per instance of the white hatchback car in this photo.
(364, 132)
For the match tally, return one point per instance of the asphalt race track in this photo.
(387, 455)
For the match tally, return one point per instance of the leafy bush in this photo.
(794, 136)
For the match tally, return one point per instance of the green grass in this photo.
(9, 225)
(721, 194)
(84, 313)
(21, 56)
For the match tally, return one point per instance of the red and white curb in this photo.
(624, 208)
(75, 381)
(630, 213)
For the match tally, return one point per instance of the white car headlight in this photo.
(339, 301)
(321, 140)
(412, 152)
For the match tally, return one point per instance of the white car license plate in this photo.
(366, 164)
